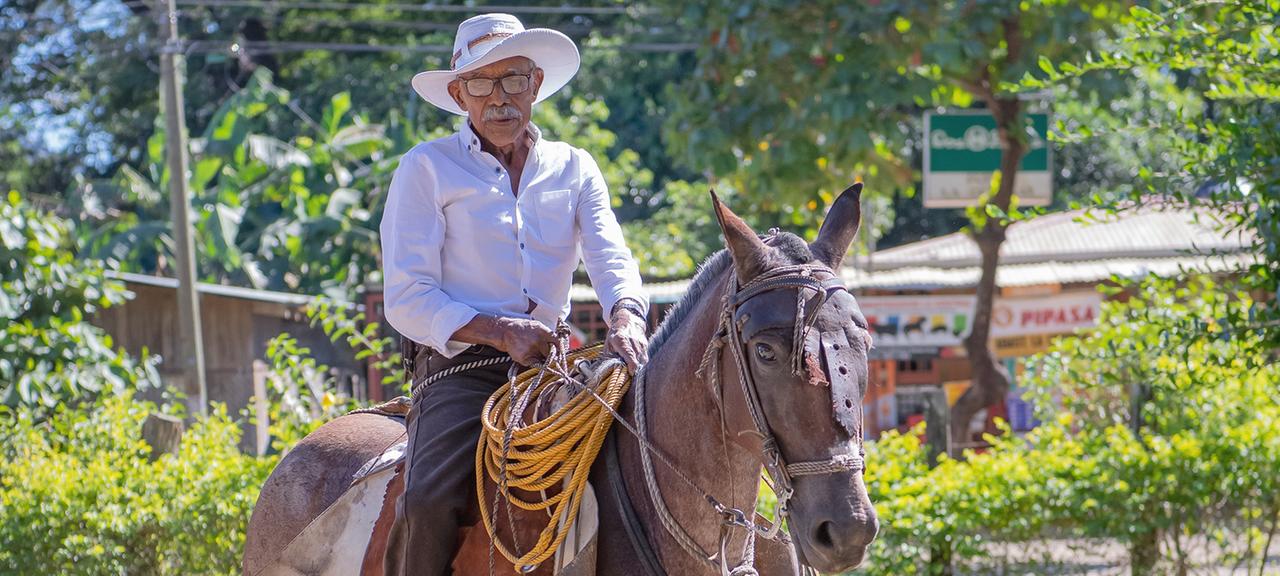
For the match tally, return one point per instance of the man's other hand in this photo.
(527, 341)
(627, 339)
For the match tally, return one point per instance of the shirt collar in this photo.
(471, 141)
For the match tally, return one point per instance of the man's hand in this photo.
(627, 339)
(527, 341)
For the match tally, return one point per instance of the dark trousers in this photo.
(439, 486)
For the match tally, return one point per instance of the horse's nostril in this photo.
(823, 535)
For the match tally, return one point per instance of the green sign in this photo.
(962, 150)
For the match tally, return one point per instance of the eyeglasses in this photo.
(511, 84)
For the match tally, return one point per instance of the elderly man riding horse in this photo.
(482, 232)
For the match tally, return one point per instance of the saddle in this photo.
(350, 536)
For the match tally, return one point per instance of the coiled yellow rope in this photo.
(542, 454)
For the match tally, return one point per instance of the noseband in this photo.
(804, 279)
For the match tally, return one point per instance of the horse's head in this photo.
(799, 345)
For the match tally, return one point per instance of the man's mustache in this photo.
(504, 112)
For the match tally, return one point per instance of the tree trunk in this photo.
(163, 433)
(989, 381)
(1144, 553)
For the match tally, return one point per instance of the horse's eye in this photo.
(765, 352)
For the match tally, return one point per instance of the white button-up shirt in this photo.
(456, 240)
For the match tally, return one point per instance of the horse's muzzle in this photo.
(833, 533)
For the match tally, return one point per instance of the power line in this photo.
(277, 47)
(274, 47)
(333, 5)
(415, 25)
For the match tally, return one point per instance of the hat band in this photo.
(453, 63)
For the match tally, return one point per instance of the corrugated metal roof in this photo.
(1149, 232)
(658, 292)
(1009, 275)
(217, 289)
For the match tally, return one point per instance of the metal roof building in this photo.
(1072, 247)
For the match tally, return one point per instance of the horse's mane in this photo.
(791, 247)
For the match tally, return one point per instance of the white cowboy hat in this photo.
(488, 38)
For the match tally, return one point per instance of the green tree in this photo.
(77, 96)
(80, 94)
(798, 98)
(1225, 138)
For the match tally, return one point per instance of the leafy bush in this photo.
(79, 495)
(49, 352)
(1201, 468)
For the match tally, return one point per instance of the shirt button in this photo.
(525, 290)
(497, 170)
(522, 245)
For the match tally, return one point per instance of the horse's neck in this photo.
(684, 421)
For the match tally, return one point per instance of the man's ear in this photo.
(455, 90)
(538, 75)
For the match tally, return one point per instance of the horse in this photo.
(762, 365)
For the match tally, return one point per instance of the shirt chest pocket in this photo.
(554, 209)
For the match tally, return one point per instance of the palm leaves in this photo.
(296, 215)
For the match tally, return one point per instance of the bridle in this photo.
(813, 278)
(801, 277)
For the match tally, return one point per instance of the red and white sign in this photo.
(943, 321)
(1057, 314)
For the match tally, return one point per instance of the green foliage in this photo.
(1222, 133)
(675, 239)
(79, 93)
(49, 352)
(802, 99)
(287, 215)
(303, 215)
(79, 495)
(1202, 466)
(362, 336)
(303, 394)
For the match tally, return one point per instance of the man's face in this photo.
(499, 117)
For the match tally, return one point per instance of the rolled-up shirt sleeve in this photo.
(413, 231)
(613, 271)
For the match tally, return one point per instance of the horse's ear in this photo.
(839, 228)
(748, 251)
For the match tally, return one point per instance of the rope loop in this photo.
(554, 452)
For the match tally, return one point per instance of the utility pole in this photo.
(190, 344)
